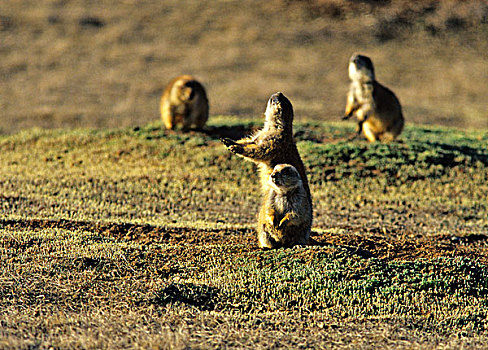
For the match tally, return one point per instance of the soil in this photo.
(367, 243)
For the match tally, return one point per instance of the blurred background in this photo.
(101, 63)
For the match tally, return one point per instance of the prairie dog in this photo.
(285, 218)
(273, 144)
(377, 109)
(184, 102)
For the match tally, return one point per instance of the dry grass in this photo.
(58, 72)
(144, 238)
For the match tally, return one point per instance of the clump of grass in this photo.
(447, 293)
(422, 155)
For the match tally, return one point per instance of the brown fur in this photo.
(273, 144)
(184, 102)
(285, 218)
(377, 109)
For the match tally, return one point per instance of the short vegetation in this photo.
(140, 238)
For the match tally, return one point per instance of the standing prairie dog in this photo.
(273, 144)
(377, 109)
(285, 218)
(184, 102)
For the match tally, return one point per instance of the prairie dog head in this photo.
(285, 178)
(361, 68)
(184, 90)
(279, 112)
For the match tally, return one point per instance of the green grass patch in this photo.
(145, 229)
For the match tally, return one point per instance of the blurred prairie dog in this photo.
(285, 218)
(376, 107)
(184, 102)
(273, 144)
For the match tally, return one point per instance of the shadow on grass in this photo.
(453, 155)
(202, 297)
(402, 162)
(302, 132)
(234, 132)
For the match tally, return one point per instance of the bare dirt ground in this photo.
(97, 63)
(367, 243)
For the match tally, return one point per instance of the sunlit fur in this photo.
(285, 218)
(273, 144)
(376, 108)
(184, 102)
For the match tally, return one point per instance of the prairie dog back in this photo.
(184, 102)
